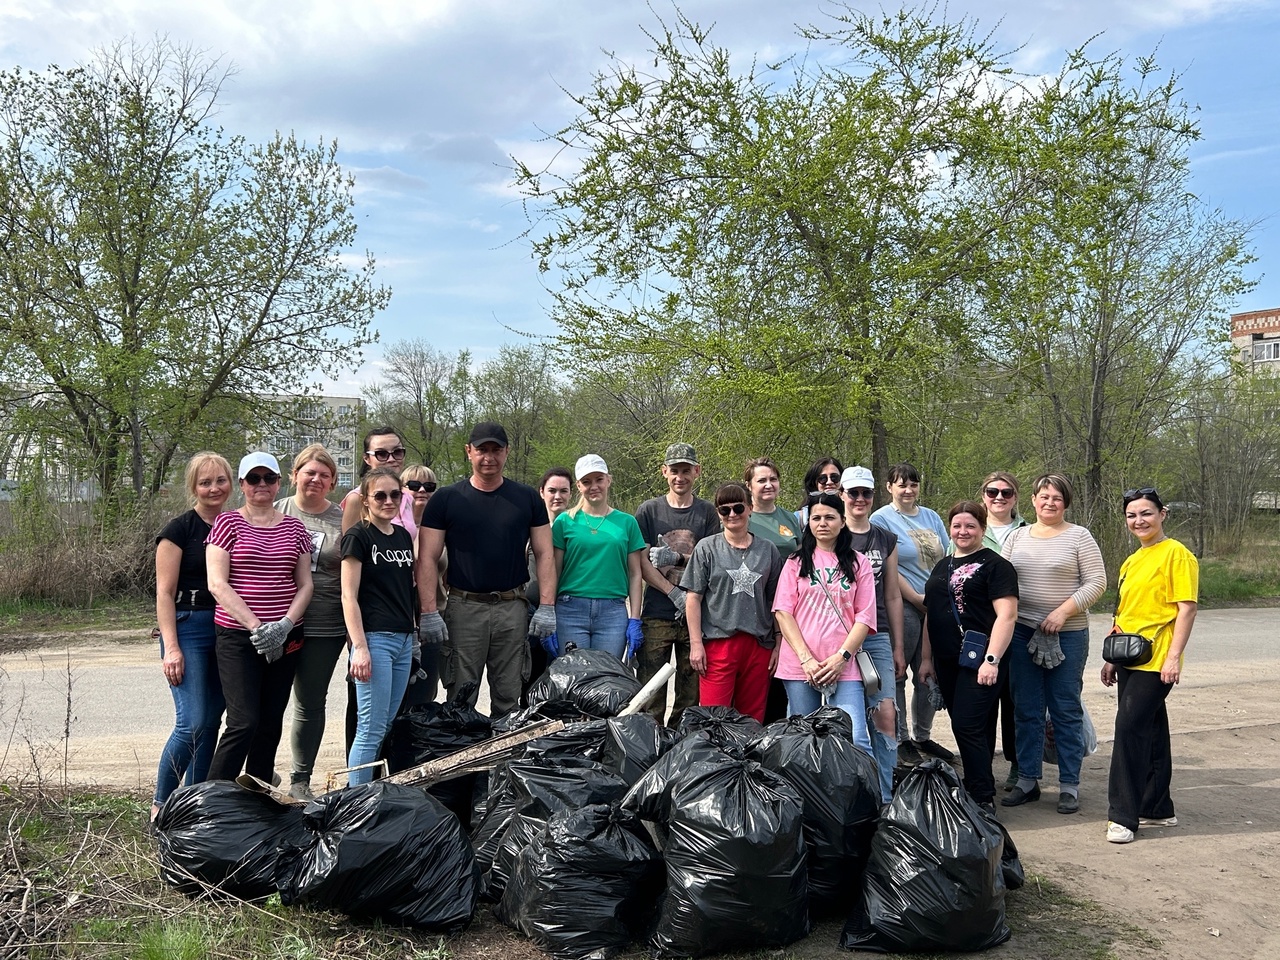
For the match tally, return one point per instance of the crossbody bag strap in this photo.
(831, 600)
(951, 594)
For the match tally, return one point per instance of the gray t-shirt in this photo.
(737, 587)
(324, 612)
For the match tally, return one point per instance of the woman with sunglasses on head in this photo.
(382, 448)
(1060, 574)
(972, 603)
(379, 604)
(730, 583)
(826, 607)
(822, 477)
(1159, 590)
(922, 542)
(598, 568)
(259, 563)
(417, 485)
(184, 614)
(314, 476)
(884, 643)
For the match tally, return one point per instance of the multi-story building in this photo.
(1256, 337)
(296, 422)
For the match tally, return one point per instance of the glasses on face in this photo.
(382, 456)
(859, 493)
(999, 493)
(731, 509)
(254, 479)
(416, 485)
(382, 496)
(828, 478)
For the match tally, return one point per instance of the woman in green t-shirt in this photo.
(597, 551)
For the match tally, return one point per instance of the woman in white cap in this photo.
(598, 569)
(259, 563)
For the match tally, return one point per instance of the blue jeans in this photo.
(1036, 689)
(592, 624)
(378, 698)
(803, 699)
(884, 745)
(197, 706)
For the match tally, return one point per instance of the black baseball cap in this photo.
(488, 432)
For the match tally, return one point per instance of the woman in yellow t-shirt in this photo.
(1159, 586)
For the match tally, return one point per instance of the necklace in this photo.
(596, 529)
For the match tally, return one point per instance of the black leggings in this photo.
(973, 719)
(257, 693)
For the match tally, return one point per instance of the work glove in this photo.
(431, 628)
(664, 556)
(1045, 650)
(551, 644)
(934, 694)
(269, 638)
(416, 672)
(543, 622)
(635, 637)
(676, 596)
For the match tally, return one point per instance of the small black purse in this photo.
(1126, 649)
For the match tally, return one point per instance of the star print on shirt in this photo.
(744, 579)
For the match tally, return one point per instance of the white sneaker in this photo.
(1158, 822)
(301, 790)
(1118, 833)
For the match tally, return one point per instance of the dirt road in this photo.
(1203, 888)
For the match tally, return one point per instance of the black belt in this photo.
(492, 596)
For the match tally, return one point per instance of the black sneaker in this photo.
(908, 755)
(933, 749)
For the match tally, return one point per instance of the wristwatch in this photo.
(993, 659)
(847, 655)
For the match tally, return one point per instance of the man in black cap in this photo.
(486, 521)
(671, 525)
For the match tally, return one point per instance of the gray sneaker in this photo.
(301, 790)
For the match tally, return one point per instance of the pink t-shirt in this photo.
(806, 600)
(262, 563)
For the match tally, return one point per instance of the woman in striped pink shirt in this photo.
(259, 563)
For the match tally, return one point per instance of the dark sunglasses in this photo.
(382, 496)
(828, 478)
(856, 493)
(416, 485)
(1138, 494)
(254, 479)
(996, 492)
(382, 456)
(734, 509)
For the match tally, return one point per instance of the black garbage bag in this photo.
(633, 744)
(596, 681)
(735, 859)
(430, 731)
(579, 739)
(650, 796)
(720, 725)
(500, 807)
(934, 882)
(548, 710)
(839, 783)
(386, 852)
(219, 834)
(586, 886)
(544, 786)
(1010, 864)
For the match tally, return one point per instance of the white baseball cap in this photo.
(857, 477)
(258, 459)
(591, 463)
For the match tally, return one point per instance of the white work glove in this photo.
(269, 638)
(543, 622)
(431, 628)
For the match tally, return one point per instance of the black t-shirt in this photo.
(486, 533)
(188, 531)
(681, 529)
(386, 596)
(876, 545)
(975, 581)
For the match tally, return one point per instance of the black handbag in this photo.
(1126, 649)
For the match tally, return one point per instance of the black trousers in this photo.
(257, 693)
(1141, 761)
(972, 707)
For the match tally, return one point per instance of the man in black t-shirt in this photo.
(485, 522)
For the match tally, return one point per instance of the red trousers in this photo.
(737, 675)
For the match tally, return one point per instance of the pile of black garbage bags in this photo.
(723, 835)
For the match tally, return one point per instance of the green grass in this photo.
(18, 615)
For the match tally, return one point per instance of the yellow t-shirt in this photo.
(1153, 580)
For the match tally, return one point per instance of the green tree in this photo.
(157, 274)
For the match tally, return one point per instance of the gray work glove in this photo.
(416, 672)
(676, 596)
(269, 638)
(543, 622)
(431, 628)
(933, 693)
(664, 556)
(1045, 650)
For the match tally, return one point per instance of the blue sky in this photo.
(429, 98)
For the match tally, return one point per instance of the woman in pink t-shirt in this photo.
(825, 607)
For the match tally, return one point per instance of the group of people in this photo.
(764, 609)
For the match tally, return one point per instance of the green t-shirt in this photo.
(781, 528)
(595, 553)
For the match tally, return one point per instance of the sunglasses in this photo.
(1138, 494)
(731, 509)
(828, 478)
(997, 492)
(382, 496)
(254, 479)
(416, 485)
(382, 456)
(859, 493)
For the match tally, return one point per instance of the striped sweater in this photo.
(1053, 569)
